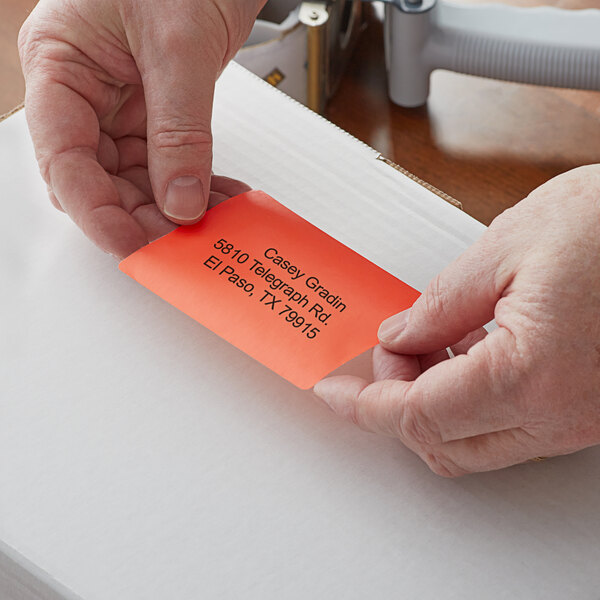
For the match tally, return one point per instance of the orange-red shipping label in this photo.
(272, 284)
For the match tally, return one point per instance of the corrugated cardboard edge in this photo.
(418, 180)
(382, 158)
(10, 113)
(387, 161)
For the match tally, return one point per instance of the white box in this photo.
(144, 458)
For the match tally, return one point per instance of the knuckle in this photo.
(435, 297)
(36, 39)
(374, 408)
(499, 225)
(29, 44)
(23, 39)
(416, 427)
(510, 364)
(42, 56)
(181, 135)
(69, 158)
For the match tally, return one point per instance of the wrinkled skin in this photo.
(531, 387)
(119, 103)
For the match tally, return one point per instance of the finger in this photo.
(127, 116)
(466, 396)
(132, 197)
(66, 147)
(459, 300)
(143, 209)
(179, 77)
(228, 186)
(373, 407)
(139, 177)
(153, 221)
(388, 365)
(108, 154)
(432, 358)
(133, 152)
(468, 341)
(215, 198)
(487, 452)
(340, 392)
(223, 188)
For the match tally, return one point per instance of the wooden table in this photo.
(486, 143)
(12, 15)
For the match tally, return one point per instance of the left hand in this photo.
(531, 387)
(119, 105)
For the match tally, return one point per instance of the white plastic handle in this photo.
(543, 45)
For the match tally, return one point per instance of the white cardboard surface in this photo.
(143, 458)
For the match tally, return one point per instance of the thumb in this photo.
(179, 86)
(459, 300)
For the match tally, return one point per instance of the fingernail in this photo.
(391, 328)
(185, 199)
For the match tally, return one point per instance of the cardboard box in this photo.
(142, 457)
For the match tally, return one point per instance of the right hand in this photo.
(530, 388)
(119, 104)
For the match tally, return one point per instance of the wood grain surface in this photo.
(487, 143)
(12, 15)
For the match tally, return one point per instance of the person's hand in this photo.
(531, 387)
(119, 102)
